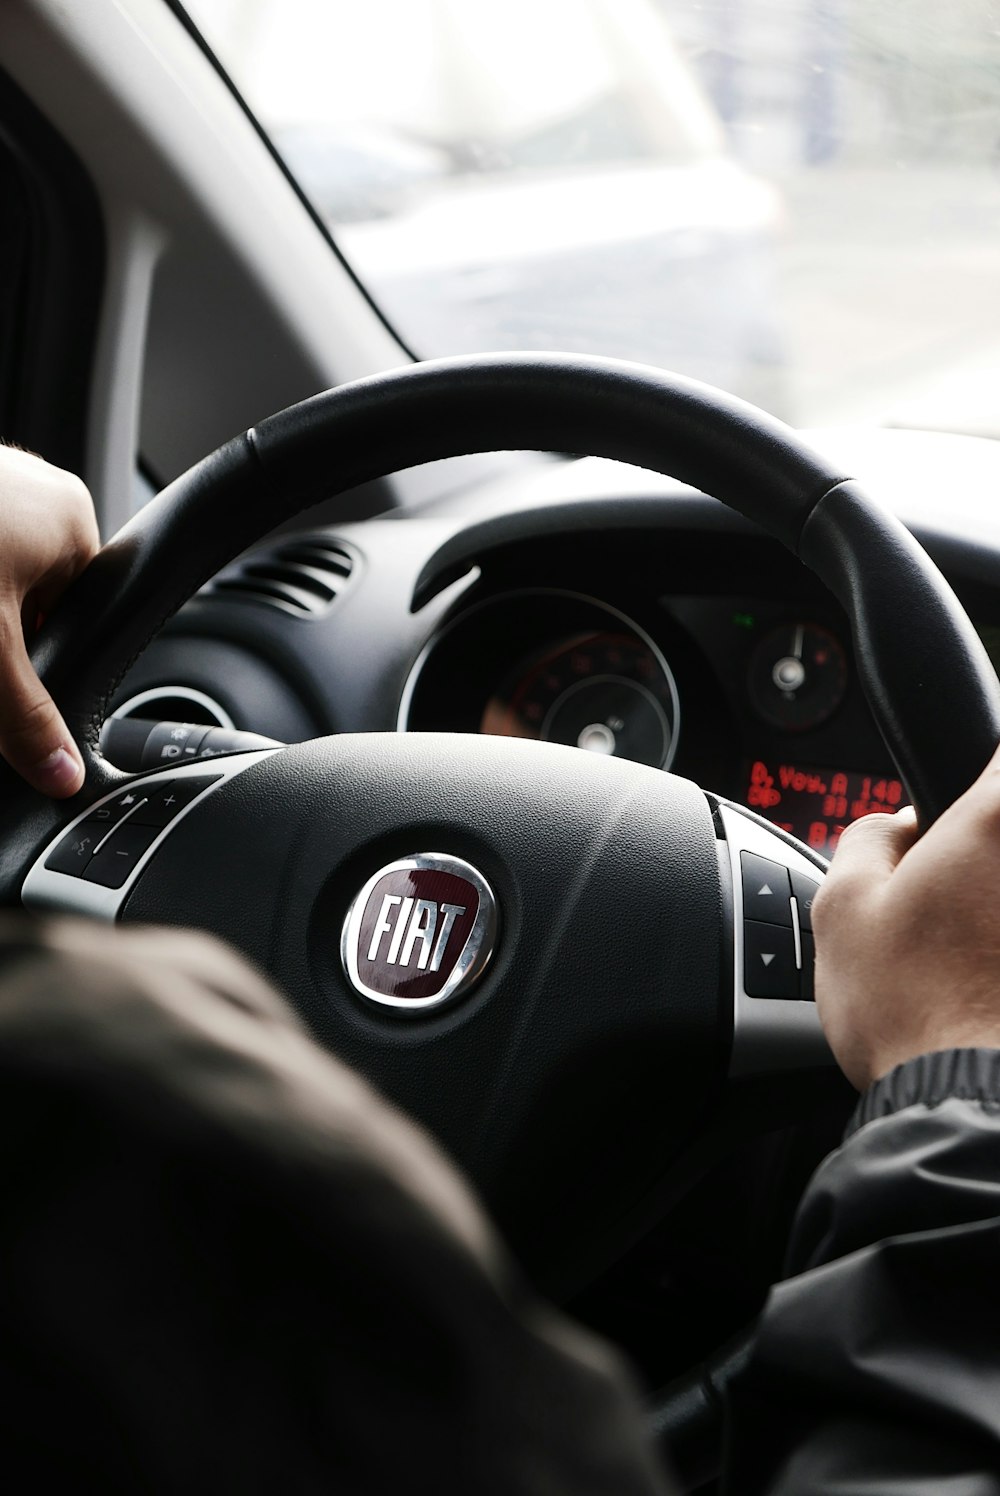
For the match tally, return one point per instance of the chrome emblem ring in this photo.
(420, 933)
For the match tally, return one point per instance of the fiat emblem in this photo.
(420, 932)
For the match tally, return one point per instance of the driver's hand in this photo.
(48, 533)
(908, 935)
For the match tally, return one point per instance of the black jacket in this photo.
(876, 1369)
(227, 1267)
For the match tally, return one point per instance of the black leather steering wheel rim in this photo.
(919, 683)
(608, 408)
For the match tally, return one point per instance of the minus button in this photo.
(119, 855)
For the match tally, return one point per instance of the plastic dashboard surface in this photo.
(600, 605)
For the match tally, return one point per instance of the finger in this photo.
(34, 739)
(867, 854)
(876, 844)
(79, 543)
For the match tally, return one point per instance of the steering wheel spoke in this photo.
(773, 880)
(91, 867)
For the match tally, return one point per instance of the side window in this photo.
(51, 276)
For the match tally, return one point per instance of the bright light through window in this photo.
(798, 200)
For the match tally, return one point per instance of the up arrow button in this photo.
(766, 890)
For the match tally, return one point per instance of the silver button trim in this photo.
(769, 1033)
(46, 889)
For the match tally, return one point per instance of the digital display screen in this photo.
(816, 804)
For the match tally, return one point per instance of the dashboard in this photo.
(588, 604)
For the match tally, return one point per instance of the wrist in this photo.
(969, 1073)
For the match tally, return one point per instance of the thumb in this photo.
(871, 848)
(867, 854)
(34, 739)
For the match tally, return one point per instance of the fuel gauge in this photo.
(798, 676)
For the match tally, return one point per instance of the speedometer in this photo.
(559, 667)
(605, 692)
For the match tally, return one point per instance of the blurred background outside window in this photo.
(798, 200)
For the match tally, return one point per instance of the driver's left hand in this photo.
(48, 533)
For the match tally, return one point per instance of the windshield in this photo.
(798, 200)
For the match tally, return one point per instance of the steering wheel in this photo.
(594, 1031)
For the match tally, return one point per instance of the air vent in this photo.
(303, 576)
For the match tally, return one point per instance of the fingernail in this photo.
(58, 774)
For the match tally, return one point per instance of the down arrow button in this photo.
(769, 961)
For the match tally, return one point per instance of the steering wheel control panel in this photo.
(778, 950)
(90, 868)
(775, 1024)
(105, 847)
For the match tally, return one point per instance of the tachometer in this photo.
(605, 692)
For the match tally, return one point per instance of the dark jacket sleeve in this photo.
(876, 1370)
(227, 1266)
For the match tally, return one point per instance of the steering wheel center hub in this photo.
(574, 1039)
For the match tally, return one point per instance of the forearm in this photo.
(183, 1169)
(877, 1364)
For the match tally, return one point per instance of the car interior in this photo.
(622, 642)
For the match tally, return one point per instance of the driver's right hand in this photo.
(908, 935)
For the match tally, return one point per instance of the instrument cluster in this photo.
(754, 698)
